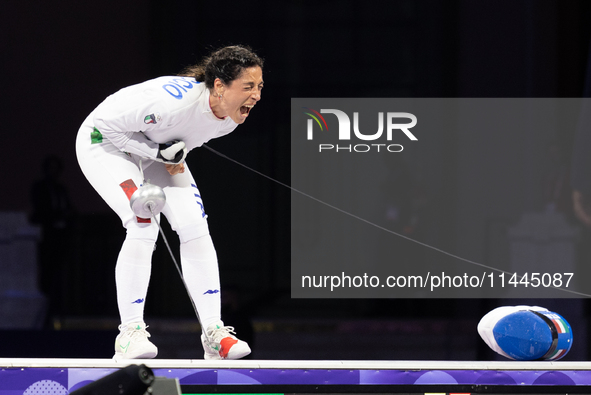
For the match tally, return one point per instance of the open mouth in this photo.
(245, 110)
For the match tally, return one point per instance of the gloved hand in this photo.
(173, 152)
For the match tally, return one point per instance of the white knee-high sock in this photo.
(132, 276)
(200, 271)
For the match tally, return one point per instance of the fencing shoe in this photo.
(222, 344)
(133, 343)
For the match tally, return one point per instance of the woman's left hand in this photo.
(175, 169)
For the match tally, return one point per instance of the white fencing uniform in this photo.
(130, 125)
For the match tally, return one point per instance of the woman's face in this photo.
(241, 95)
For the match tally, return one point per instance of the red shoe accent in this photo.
(226, 344)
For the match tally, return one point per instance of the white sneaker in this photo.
(133, 342)
(222, 344)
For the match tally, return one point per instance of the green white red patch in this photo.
(152, 118)
(559, 323)
(557, 354)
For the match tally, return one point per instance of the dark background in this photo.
(60, 60)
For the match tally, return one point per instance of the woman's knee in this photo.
(142, 230)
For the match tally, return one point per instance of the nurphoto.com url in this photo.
(441, 280)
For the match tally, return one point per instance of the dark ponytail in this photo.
(226, 64)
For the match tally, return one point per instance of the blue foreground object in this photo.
(533, 335)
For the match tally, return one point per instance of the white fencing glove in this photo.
(173, 152)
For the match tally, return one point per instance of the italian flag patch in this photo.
(559, 323)
(557, 354)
